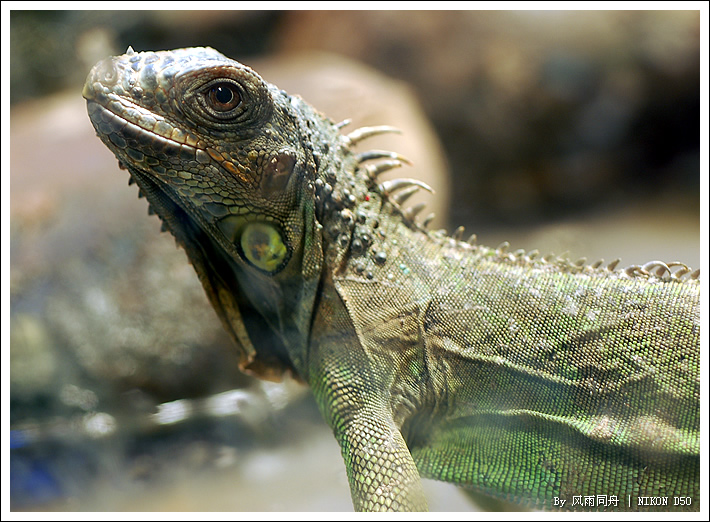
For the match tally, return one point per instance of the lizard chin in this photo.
(218, 274)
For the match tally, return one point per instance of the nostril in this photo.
(103, 78)
(106, 71)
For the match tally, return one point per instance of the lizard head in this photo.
(230, 164)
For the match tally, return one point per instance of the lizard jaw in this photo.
(218, 275)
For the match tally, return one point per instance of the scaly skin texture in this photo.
(529, 380)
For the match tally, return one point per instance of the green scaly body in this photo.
(530, 380)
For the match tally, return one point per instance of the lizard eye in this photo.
(263, 246)
(224, 96)
(222, 100)
(229, 99)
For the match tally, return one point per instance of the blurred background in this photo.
(563, 131)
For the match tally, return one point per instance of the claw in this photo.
(411, 212)
(373, 171)
(363, 133)
(684, 269)
(680, 273)
(635, 270)
(658, 266)
(389, 186)
(404, 195)
(458, 234)
(428, 219)
(378, 154)
(343, 123)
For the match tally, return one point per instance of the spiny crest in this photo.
(164, 227)
(674, 271)
(399, 190)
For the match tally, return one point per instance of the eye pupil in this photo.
(222, 94)
(224, 97)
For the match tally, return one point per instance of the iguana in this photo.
(553, 384)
